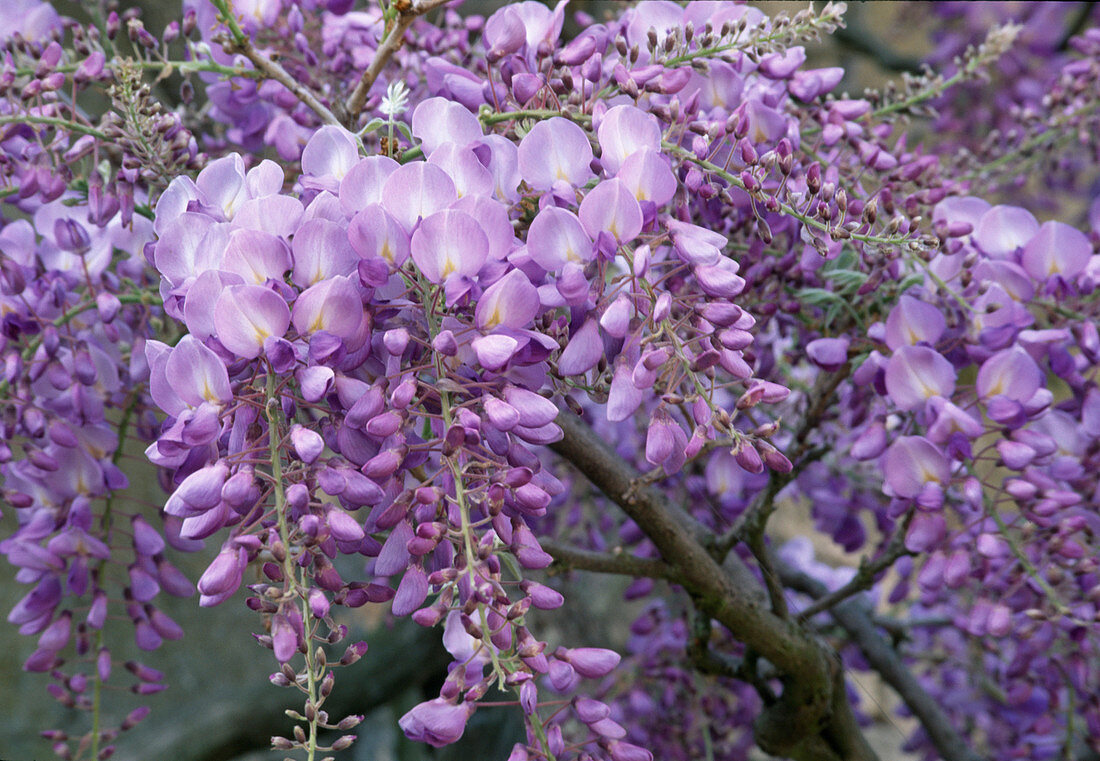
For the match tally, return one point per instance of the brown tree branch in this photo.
(407, 13)
(856, 621)
(808, 720)
(623, 564)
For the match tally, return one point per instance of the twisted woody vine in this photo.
(410, 308)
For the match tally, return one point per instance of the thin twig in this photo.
(239, 42)
(755, 518)
(865, 576)
(407, 13)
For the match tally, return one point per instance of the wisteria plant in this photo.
(411, 309)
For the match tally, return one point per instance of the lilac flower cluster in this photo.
(74, 395)
(390, 316)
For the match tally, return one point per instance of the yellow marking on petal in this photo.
(448, 268)
(495, 318)
(207, 392)
(927, 475)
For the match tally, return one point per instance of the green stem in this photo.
(185, 67)
(784, 208)
(53, 121)
(97, 684)
(230, 20)
(274, 437)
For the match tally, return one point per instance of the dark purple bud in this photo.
(147, 541)
(143, 672)
(134, 718)
(353, 653)
(113, 25)
(90, 68)
(579, 50)
(71, 236)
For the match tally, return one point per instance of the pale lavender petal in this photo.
(696, 245)
(256, 256)
(190, 245)
(915, 374)
(165, 397)
(583, 351)
(511, 302)
(173, 202)
(615, 320)
(333, 305)
(222, 185)
(330, 154)
(648, 176)
(1002, 230)
(373, 232)
(611, 207)
(277, 214)
(910, 463)
(264, 179)
(196, 374)
(766, 125)
(966, 209)
(535, 410)
(247, 315)
(1057, 249)
(494, 351)
(439, 120)
(593, 662)
(542, 23)
(416, 191)
(557, 236)
(504, 33)
(202, 296)
(913, 321)
(555, 150)
(493, 218)
(720, 280)
(363, 183)
(950, 420)
(1011, 373)
(624, 397)
(503, 165)
(321, 251)
(449, 243)
(437, 722)
(469, 175)
(624, 130)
